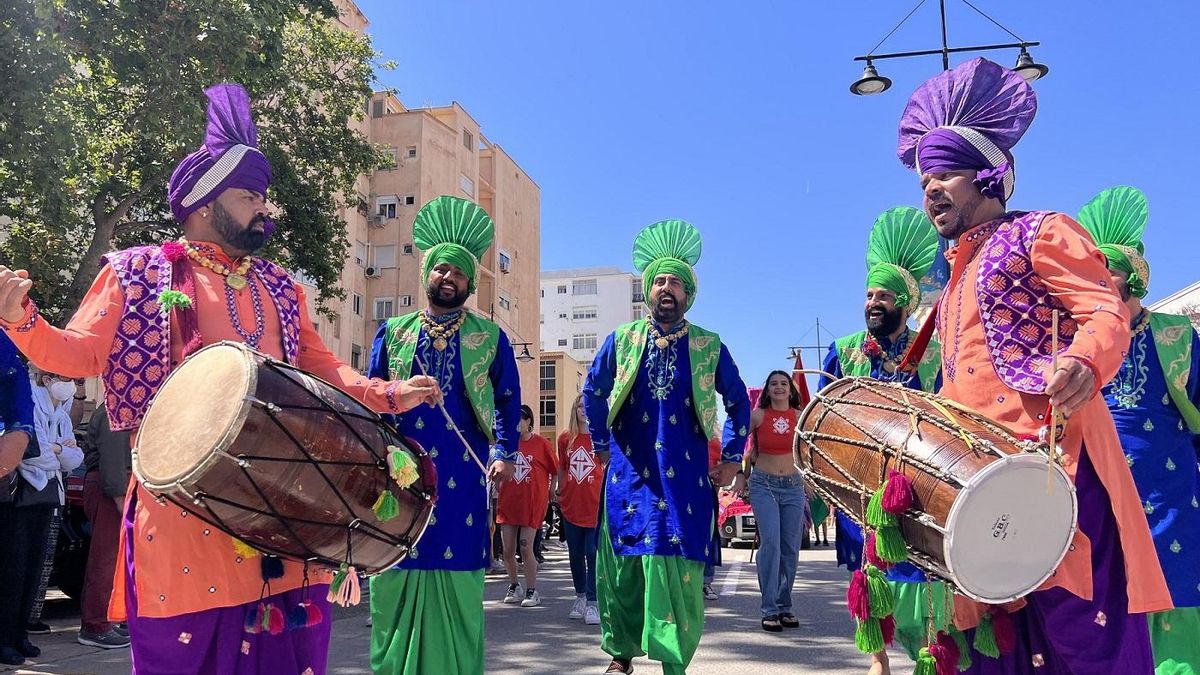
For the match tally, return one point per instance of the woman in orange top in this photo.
(521, 507)
(580, 476)
(777, 496)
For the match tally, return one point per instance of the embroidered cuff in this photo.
(27, 321)
(498, 453)
(736, 459)
(390, 393)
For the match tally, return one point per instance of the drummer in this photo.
(185, 588)
(427, 614)
(900, 251)
(957, 132)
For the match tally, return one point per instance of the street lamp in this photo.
(524, 356)
(872, 82)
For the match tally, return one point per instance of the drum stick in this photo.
(1053, 435)
(449, 420)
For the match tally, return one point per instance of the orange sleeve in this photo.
(314, 357)
(81, 349)
(1076, 273)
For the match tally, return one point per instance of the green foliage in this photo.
(110, 97)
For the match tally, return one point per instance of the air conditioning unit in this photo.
(373, 272)
(379, 220)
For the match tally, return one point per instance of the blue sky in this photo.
(742, 123)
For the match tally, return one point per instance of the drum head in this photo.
(1006, 532)
(197, 412)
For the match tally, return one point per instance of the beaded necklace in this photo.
(661, 341)
(260, 325)
(234, 278)
(440, 333)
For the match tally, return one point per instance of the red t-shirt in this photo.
(579, 490)
(523, 500)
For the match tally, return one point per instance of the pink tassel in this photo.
(1004, 629)
(947, 654)
(345, 591)
(275, 620)
(314, 615)
(897, 493)
(857, 599)
(872, 556)
(887, 625)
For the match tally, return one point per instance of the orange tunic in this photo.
(1076, 273)
(183, 564)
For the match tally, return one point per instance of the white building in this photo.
(1184, 301)
(580, 307)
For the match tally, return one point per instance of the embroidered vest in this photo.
(478, 340)
(704, 350)
(1173, 342)
(140, 359)
(1015, 306)
(856, 364)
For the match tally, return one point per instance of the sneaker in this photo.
(591, 616)
(514, 594)
(11, 657)
(709, 593)
(624, 666)
(577, 608)
(121, 628)
(37, 628)
(28, 649)
(532, 599)
(109, 640)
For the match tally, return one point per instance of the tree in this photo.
(117, 99)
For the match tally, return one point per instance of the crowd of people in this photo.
(663, 421)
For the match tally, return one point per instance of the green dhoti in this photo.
(912, 612)
(1175, 638)
(649, 605)
(427, 621)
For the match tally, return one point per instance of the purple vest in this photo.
(140, 359)
(1015, 306)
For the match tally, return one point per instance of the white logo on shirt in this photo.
(780, 425)
(523, 468)
(581, 464)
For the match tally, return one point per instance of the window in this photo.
(385, 308)
(583, 341)
(385, 256)
(583, 313)
(562, 342)
(505, 303)
(376, 108)
(386, 206)
(503, 261)
(467, 186)
(356, 357)
(635, 291)
(410, 200)
(562, 290)
(410, 152)
(468, 140)
(395, 154)
(337, 326)
(408, 249)
(542, 319)
(546, 376)
(583, 287)
(406, 301)
(638, 312)
(356, 303)
(563, 315)
(360, 253)
(547, 409)
(543, 292)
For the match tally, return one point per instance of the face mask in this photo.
(61, 391)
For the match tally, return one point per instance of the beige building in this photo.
(560, 378)
(437, 151)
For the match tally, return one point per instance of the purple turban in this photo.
(968, 118)
(229, 159)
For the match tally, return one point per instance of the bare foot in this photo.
(880, 664)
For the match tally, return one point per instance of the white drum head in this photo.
(1006, 533)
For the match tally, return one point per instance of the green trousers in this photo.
(427, 621)
(1175, 638)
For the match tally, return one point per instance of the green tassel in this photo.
(868, 637)
(925, 663)
(964, 652)
(985, 638)
(876, 516)
(879, 593)
(889, 544)
(386, 507)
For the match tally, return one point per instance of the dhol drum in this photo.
(281, 460)
(985, 515)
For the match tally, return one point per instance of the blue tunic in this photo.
(849, 537)
(16, 396)
(1162, 457)
(658, 496)
(457, 537)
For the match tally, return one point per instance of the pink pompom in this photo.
(947, 654)
(857, 599)
(1004, 629)
(897, 493)
(887, 626)
(174, 251)
(872, 556)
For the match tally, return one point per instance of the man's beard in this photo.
(964, 215)
(434, 293)
(240, 238)
(885, 325)
(667, 316)
(1123, 289)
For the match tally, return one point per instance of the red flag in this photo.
(801, 381)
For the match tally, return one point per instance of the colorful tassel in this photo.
(386, 507)
(254, 619)
(897, 494)
(1004, 630)
(925, 663)
(950, 656)
(856, 596)
(170, 299)
(401, 466)
(868, 637)
(889, 544)
(876, 516)
(314, 615)
(297, 618)
(985, 638)
(275, 622)
(943, 664)
(887, 627)
(243, 549)
(871, 555)
(879, 593)
(964, 653)
(272, 567)
(173, 251)
(344, 590)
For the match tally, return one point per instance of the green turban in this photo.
(668, 247)
(1116, 219)
(453, 230)
(901, 249)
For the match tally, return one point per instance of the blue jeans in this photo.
(778, 503)
(581, 546)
